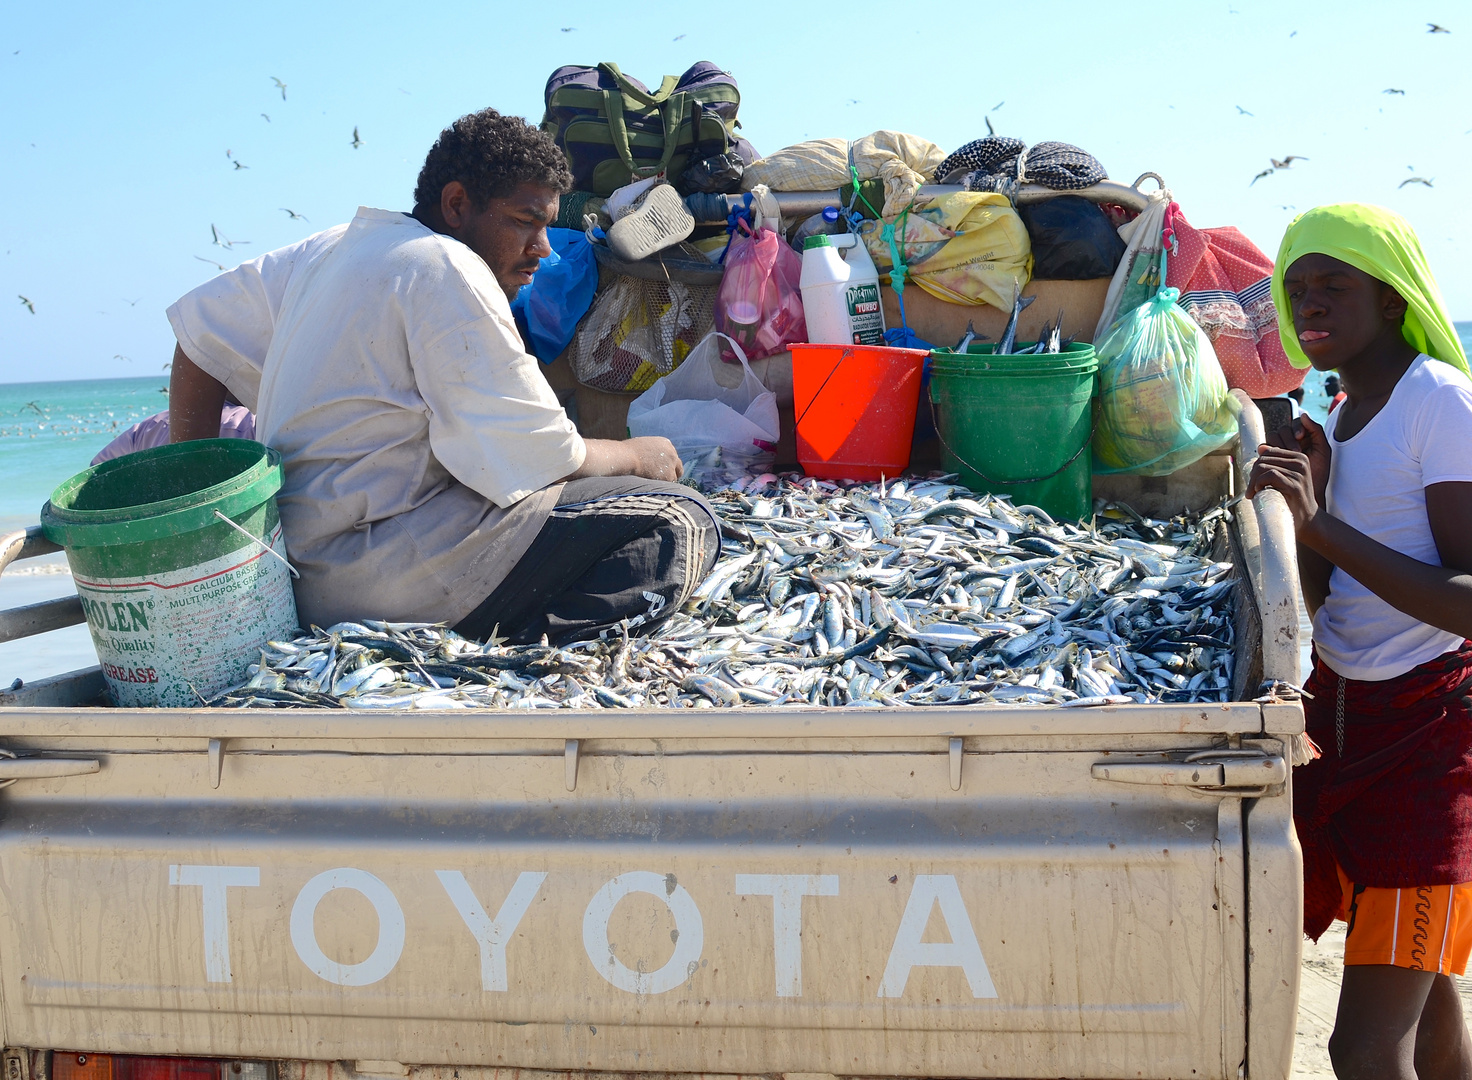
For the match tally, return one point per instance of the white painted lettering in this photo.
(962, 951)
(787, 891)
(213, 881)
(689, 933)
(390, 927)
(492, 934)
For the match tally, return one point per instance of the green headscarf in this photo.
(1382, 244)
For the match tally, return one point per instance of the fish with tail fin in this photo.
(1054, 337)
(968, 337)
(1009, 335)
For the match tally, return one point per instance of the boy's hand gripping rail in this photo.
(1275, 578)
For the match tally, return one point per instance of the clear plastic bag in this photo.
(1163, 401)
(760, 302)
(1140, 272)
(722, 419)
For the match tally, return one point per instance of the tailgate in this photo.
(1004, 892)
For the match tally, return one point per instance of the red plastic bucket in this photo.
(855, 407)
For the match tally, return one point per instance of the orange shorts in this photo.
(1425, 928)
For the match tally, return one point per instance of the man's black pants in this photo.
(614, 548)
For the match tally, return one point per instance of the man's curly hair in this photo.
(491, 155)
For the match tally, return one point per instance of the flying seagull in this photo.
(30, 405)
(28, 305)
(268, 119)
(679, 37)
(220, 266)
(221, 240)
(357, 142)
(131, 303)
(294, 215)
(1393, 90)
(1259, 176)
(1437, 28)
(1287, 161)
(998, 105)
(237, 164)
(280, 86)
(1414, 180)
(1243, 111)
(568, 29)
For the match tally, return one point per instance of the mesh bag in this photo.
(644, 321)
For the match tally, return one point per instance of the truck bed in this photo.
(994, 891)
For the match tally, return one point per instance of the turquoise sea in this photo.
(50, 431)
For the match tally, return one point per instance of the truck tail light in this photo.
(66, 1065)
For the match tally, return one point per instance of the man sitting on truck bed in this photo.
(430, 473)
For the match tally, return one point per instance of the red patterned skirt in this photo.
(1390, 799)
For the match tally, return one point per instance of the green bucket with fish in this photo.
(1019, 424)
(179, 563)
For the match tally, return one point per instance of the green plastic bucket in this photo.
(1019, 425)
(178, 600)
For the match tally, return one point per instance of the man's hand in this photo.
(655, 458)
(651, 456)
(1306, 436)
(1292, 475)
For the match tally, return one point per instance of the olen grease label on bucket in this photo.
(865, 318)
(173, 637)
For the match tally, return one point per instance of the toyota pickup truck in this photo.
(197, 894)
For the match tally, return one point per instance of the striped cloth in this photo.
(1226, 286)
(997, 163)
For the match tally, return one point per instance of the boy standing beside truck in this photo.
(1382, 507)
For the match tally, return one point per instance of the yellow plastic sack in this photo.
(967, 248)
(1163, 401)
(903, 162)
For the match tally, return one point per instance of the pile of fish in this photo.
(917, 592)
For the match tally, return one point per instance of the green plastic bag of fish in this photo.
(1163, 401)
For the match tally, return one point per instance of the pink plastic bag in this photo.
(760, 302)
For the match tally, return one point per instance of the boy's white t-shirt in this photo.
(1377, 482)
(421, 443)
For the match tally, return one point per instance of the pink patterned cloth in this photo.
(236, 422)
(1226, 286)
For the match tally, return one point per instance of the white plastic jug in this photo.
(840, 292)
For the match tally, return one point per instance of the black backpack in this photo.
(614, 130)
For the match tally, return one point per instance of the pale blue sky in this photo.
(117, 121)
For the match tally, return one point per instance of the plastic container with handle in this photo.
(840, 292)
